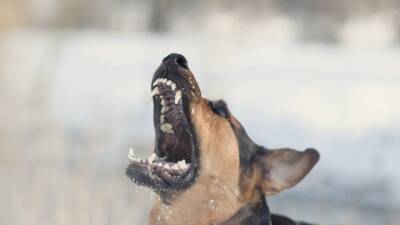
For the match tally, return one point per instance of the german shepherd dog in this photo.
(205, 168)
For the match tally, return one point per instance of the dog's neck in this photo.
(203, 210)
(208, 201)
(252, 213)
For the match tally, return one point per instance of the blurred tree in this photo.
(396, 17)
(166, 13)
(12, 14)
(74, 13)
(318, 20)
(158, 19)
(83, 14)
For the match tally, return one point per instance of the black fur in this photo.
(283, 220)
(251, 214)
(259, 214)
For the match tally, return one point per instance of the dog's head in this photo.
(198, 138)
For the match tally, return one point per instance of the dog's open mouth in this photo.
(173, 164)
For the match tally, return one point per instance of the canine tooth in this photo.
(173, 86)
(151, 158)
(162, 102)
(156, 82)
(169, 82)
(164, 80)
(178, 96)
(155, 91)
(131, 153)
(182, 165)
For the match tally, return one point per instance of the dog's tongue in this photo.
(174, 147)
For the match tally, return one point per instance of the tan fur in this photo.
(249, 181)
(276, 171)
(214, 196)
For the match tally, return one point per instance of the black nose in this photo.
(175, 59)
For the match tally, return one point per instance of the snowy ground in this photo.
(76, 101)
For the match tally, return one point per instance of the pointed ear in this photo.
(273, 171)
(284, 168)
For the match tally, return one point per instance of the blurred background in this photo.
(74, 94)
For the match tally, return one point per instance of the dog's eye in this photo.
(220, 108)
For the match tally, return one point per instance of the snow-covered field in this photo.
(74, 102)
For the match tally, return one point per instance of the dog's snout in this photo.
(175, 60)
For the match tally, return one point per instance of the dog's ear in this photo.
(272, 171)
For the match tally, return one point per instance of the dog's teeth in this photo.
(151, 158)
(167, 128)
(131, 153)
(155, 91)
(166, 166)
(162, 102)
(178, 96)
(159, 164)
(164, 109)
(173, 86)
(182, 164)
(175, 167)
(169, 82)
(162, 119)
(156, 82)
